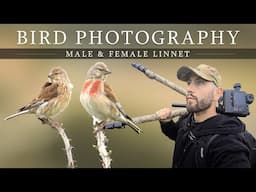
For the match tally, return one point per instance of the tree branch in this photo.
(154, 117)
(68, 148)
(101, 146)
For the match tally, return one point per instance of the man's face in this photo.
(200, 94)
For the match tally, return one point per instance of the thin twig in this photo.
(68, 148)
(101, 145)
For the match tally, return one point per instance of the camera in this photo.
(235, 102)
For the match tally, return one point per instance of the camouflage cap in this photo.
(204, 71)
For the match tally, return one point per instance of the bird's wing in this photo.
(126, 119)
(109, 93)
(48, 91)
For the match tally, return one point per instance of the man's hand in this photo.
(164, 114)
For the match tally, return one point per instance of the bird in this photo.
(98, 99)
(53, 98)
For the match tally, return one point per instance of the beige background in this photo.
(25, 142)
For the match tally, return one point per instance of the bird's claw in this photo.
(43, 120)
(57, 124)
(99, 127)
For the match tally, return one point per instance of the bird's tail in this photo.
(135, 127)
(16, 114)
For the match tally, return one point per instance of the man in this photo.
(193, 132)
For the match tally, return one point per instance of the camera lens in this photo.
(249, 98)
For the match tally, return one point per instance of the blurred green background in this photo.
(26, 143)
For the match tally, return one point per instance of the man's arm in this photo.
(169, 129)
(168, 126)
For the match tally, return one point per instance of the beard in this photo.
(200, 105)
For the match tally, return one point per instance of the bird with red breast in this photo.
(98, 99)
(53, 98)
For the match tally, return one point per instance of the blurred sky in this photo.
(26, 143)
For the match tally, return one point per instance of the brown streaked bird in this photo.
(99, 101)
(54, 97)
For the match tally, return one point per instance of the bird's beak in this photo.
(50, 77)
(107, 72)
